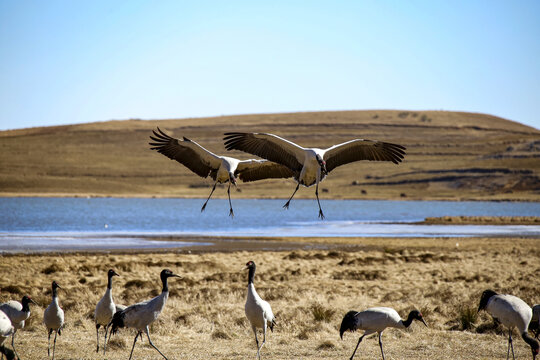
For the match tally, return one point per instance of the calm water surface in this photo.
(79, 223)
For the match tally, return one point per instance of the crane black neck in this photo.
(109, 281)
(251, 274)
(25, 304)
(165, 283)
(533, 343)
(409, 320)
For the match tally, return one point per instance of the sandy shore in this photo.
(309, 288)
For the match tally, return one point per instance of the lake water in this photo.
(33, 224)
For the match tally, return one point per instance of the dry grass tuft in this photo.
(116, 343)
(53, 268)
(220, 334)
(12, 289)
(322, 313)
(326, 345)
(468, 316)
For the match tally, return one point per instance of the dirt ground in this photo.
(309, 291)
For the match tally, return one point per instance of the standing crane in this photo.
(221, 169)
(17, 312)
(311, 165)
(141, 315)
(258, 311)
(512, 312)
(376, 320)
(105, 310)
(53, 318)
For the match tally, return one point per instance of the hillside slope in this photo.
(450, 155)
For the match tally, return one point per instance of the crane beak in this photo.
(424, 321)
(178, 276)
(33, 302)
(115, 273)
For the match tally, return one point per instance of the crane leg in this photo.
(13, 345)
(231, 212)
(257, 342)
(380, 344)
(54, 344)
(510, 345)
(133, 347)
(150, 341)
(264, 340)
(356, 348)
(321, 215)
(49, 344)
(209, 196)
(286, 206)
(97, 338)
(105, 342)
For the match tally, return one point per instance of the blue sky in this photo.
(64, 62)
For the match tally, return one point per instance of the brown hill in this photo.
(450, 155)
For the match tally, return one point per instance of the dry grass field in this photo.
(309, 290)
(450, 155)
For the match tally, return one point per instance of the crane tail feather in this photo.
(117, 321)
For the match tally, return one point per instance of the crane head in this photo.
(27, 300)
(166, 273)
(349, 323)
(232, 179)
(249, 265)
(417, 315)
(486, 295)
(322, 164)
(112, 273)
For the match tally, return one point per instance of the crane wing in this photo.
(267, 146)
(361, 149)
(253, 170)
(188, 153)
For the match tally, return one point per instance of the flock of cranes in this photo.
(509, 310)
(283, 159)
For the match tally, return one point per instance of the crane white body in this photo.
(510, 311)
(105, 309)
(14, 310)
(53, 316)
(6, 327)
(141, 315)
(377, 319)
